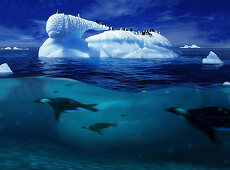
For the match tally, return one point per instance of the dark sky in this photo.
(202, 22)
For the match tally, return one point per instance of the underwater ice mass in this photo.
(65, 40)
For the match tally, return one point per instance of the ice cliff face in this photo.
(65, 32)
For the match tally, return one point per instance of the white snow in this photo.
(212, 58)
(5, 69)
(65, 40)
(192, 46)
(226, 83)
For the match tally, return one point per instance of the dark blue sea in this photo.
(130, 95)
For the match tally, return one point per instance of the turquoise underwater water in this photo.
(146, 136)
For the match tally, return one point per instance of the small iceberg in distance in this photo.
(226, 83)
(192, 46)
(14, 48)
(7, 48)
(212, 58)
(5, 69)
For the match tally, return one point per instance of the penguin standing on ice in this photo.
(57, 11)
(131, 29)
(111, 28)
(78, 15)
(125, 29)
(121, 28)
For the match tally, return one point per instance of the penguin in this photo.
(60, 105)
(206, 119)
(57, 11)
(125, 29)
(131, 29)
(78, 15)
(111, 28)
(98, 127)
(100, 22)
(106, 24)
(96, 21)
(121, 28)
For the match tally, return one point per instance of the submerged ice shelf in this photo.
(65, 40)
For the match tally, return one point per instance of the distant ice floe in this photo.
(226, 83)
(5, 69)
(14, 48)
(212, 58)
(192, 46)
(65, 40)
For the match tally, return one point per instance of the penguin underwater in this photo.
(98, 127)
(206, 119)
(65, 105)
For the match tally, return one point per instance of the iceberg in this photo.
(14, 48)
(65, 40)
(7, 48)
(5, 69)
(192, 46)
(226, 83)
(126, 44)
(212, 58)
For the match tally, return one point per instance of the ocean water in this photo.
(131, 93)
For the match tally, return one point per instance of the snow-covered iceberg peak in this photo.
(60, 25)
(5, 69)
(65, 36)
(212, 58)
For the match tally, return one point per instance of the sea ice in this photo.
(212, 58)
(5, 69)
(65, 40)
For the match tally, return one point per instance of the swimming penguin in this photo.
(66, 105)
(206, 119)
(98, 127)
(57, 11)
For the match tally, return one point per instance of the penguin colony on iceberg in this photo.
(144, 32)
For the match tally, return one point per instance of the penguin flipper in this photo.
(57, 115)
(98, 131)
(212, 136)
